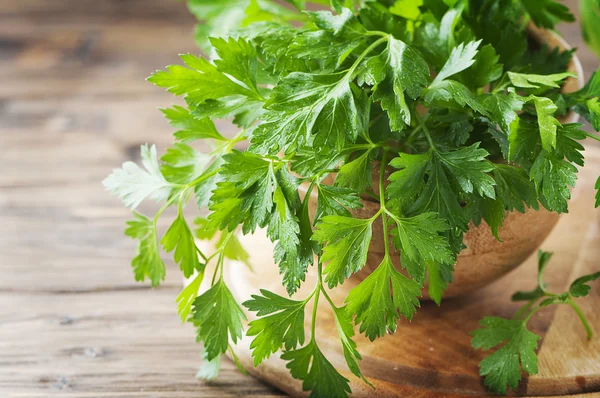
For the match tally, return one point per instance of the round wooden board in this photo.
(432, 356)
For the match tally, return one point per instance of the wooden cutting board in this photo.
(432, 356)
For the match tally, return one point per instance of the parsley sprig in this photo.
(441, 113)
(503, 367)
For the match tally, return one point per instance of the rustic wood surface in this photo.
(73, 105)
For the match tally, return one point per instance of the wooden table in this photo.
(73, 105)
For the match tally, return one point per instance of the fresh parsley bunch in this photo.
(452, 95)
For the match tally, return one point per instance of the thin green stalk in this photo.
(584, 321)
(316, 302)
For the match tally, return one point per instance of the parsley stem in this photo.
(595, 137)
(316, 302)
(425, 131)
(584, 321)
(382, 201)
(362, 56)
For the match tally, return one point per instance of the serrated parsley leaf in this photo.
(503, 367)
(397, 71)
(419, 241)
(347, 246)
(133, 184)
(186, 297)
(461, 58)
(513, 188)
(217, 317)
(284, 229)
(537, 81)
(190, 127)
(238, 59)
(317, 373)
(182, 163)
(547, 13)
(200, 81)
(408, 9)
(343, 323)
(179, 237)
(409, 180)
(484, 70)
(209, 369)
(281, 324)
(343, 23)
(454, 95)
(553, 178)
(467, 165)
(379, 300)
(147, 262)
(580, 287)
(335, 201)
(305, 106)
(503, 108)
(356, 174)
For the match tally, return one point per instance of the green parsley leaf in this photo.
(484, 70)
(503, 367)
(514, 189)
(356, 174)
(461, 58)
(408, 9)
(553, 178)
(179, 237)
(182, 163)
(317, 373)
(186, 298)
(335, 201)
(343, 323)
(237, 58)
(200, 81)
(580, 287)
(209, 370)
(347, 246)
(419, 241)
(147, 262)
(217, 317)
(189, 127)
(399, 69)
(281, 323)
(537, 81)
(379, 300)
(547, 13)
(306, 106)
(133, 184)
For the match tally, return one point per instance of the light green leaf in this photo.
(537, 81)
(186, 298)
(147, 262)
(317, 373)
(503, 367)
(133, 184)
(379, 300)
(281, 323)
(347, 246)
(461, 58)
(179, 237)
(217, 317)
(190, 128)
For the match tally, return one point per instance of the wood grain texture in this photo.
(73, 105)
